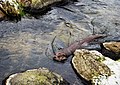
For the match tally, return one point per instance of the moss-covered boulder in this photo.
(89, 64)
(41, 76)
(96, 68)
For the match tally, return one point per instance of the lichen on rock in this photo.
(112, 46)
(95, 67)
(89, 64)
(114, 79)
(41, 76)
(111, 49)
(18, 8)
(11, 9)
(38, 6)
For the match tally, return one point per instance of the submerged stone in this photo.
(41, 76)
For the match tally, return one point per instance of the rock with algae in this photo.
(112, 46)
(94, 67)
(111, 49)
(38, 6)
(38, 3)
(88, 64)
(17, 8)
(41, 76)
(11, 8)
(114, 79)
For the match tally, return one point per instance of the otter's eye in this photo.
(59, 53)
(58, 56)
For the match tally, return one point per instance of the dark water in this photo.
(23, 44)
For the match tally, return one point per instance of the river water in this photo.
(26, 44)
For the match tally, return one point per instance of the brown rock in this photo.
(112, 46)
(2, 15)
(111, 50)
(38, 6)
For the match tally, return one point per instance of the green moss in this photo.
(36, 77)
(100, 59)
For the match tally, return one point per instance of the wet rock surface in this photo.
(112, 46)
(115, 76)
(96, 68)
(41, 76)
(23, 44)
(89, 64)
(111, 49)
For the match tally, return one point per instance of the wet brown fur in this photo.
(63, 54)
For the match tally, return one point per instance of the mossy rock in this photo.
(39, 6)
(89, 64)
(111, 50)
(41, 76)
(112, 46)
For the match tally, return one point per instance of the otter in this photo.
(64, 53)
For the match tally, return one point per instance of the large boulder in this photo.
(41, 76)
(94, 67)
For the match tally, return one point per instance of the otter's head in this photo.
(60, 56)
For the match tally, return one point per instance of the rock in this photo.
(114, 78)
(112, 46)
(11, 9)
(111, 49)
(16, 8)
(93, 66)
(41, 76)
(88, 64)
(2, 15)
(38, 6)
